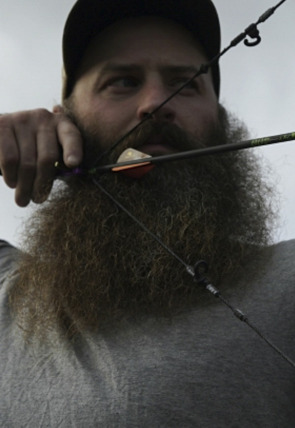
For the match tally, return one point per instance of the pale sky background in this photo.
(258, 84)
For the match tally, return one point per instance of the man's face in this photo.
(132, 67)
(94, 263)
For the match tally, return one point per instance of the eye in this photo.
(123, 82)
(180, 81)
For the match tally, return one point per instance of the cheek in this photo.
(197, 118)
(107, 123)
(109, 115)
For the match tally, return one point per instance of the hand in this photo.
(30, 144)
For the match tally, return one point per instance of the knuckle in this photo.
(25, 118)
(34, 118)
(44, 121)
(68, 128)
(28, 166)
(42, 115)
(21, 119)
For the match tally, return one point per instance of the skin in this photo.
(110, 101)
(123, 77)
(30, 144)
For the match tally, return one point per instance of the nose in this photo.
(152, 96)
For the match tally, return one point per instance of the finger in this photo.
(9, 154)
(27, 166)
(71, 141)
(47, 155)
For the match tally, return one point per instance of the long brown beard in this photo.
(86, 263)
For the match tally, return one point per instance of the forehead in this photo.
(143, 38)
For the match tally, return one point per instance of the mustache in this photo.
(155, 132)
(150, 132)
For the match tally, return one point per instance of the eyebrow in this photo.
(117, 67)
(176, 69)
(181, 69)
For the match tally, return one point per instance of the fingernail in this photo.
(72, 160)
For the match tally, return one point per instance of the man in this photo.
(100, 324)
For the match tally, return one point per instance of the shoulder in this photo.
(271, 261)
(8, 257)
(285, 251)
(279, 260)
(268, 283)
(265, 284)
(7, 250)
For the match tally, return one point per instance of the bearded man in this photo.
(101, 324)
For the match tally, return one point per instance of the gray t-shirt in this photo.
(201, 369)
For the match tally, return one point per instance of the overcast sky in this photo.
(257, 83)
